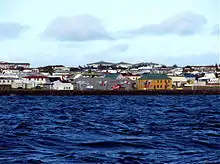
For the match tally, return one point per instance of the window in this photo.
(161, 86)
(158, 81)
(29, 78)
(161, 81)
(158, 86)
(3, 81)
(8, 81)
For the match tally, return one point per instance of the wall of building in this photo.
(154, 84)
(62, 86)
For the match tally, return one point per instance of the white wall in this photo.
(6, 81)
(62, 86)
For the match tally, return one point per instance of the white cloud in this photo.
(77, 28)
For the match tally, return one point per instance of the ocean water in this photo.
(110, 129)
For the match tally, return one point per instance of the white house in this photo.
(21, 84)
(6, 81)
(37, 80)
(10, 71)
(210, 78)
(175, 72)
(58, 85)
(7, 65)
(178, 81)
(123, 65)
(144, 69)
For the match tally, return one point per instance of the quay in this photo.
(27, 92)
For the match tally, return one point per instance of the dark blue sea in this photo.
(110, 129)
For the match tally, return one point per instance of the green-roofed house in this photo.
(154, 81)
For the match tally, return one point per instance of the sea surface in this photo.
(110, 129)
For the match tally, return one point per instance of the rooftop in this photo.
(154, 77)
(112, 75)
(36, 76)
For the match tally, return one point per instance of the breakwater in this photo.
(108, 92)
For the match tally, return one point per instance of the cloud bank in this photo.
(11, 30)
(183, 24)
(77, 28)
(215, 30)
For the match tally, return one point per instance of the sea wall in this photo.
(96, 92)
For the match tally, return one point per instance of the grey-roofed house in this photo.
(114, 76)
(85, 83)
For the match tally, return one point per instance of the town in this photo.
(109, 76)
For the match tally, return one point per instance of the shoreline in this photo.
(19, 92)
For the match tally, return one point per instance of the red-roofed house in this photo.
(38, 80)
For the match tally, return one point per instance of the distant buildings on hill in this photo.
(6, 65)
(108, 76)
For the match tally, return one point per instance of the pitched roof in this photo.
(112, 75)
(36, 76)
(154, 77)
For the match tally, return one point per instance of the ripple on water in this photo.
(114, 129)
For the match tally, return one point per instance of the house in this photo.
(100, 63)
(201, 68)
(58, 85)
(7, 65)
(154, 81)
(190, 77)
(209, 78)
(114, 76)
(31, 70)
(131, 76)
(85, 83)
(59, 67)
(175, 72)
(21, 84)
(162, 70)
(122, 65)
(144, 69)
(5, 83)
(38, 81)
(10, 71)
(178, 81)
(9, 75)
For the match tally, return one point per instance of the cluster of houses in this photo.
(108, 76)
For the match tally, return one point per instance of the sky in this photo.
(77, 32)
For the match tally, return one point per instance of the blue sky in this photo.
(76, 32)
